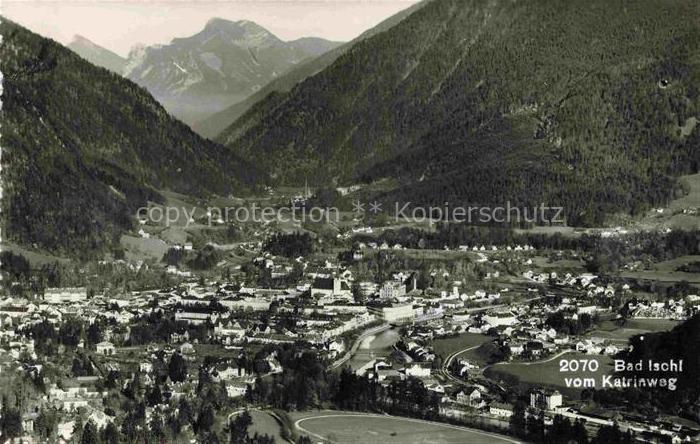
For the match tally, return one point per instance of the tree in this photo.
(130, 426)
(94, 333)
(111, 434)
(579, 433)
(155, 396)
(608, 434)
(517, 420)
(11, 423)
(89, 435)
(560, 431)
(177, 368)
(46, 422)
(238, 428)
(70, 332)
(205, 419)
(156, 426)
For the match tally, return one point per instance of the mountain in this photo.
(226, 62)
(83, 148)
(313, 46)
(97, 55)
(587, 105)
(213, 125)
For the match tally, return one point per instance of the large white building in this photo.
(65, 295)
(395, 312)
(495, 319)
(392, 290)
(331, 289)
(545, 399)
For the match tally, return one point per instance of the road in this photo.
(298, 422)
(446, 364)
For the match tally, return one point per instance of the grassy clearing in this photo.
(564, 231)
(140, 248)
(36, 258)
(632, 327)
(672, 216)
(666, 271)
(547, 373)
(663, 276)
(446, 346)
(544, 264)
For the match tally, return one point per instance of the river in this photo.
(375, 346)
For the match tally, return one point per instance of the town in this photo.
(514, 338)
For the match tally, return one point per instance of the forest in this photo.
(479, 103)
(74, 175)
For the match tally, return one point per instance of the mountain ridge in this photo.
(213, 125)
(224, 63)
(96, 54)
(74, 175)
(448, 103)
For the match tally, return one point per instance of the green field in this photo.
(666, 271)
(632, 327)
(337, 427)
(446, 346)
(546, 373)
(560, 266)
(672, 217)
(35, 258)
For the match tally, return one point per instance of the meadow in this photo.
(547, 373)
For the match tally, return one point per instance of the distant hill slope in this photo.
(226, 62)
(97, 55)
(213, 125)
(83, 148)
(590, 105)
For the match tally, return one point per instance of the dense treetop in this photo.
(84, 147)
(592, 105)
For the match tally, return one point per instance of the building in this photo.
(500, 318)
(247, 303)
(500, 409)
(395, 312)
(331, 289)
(229, 328)
(470, 397)
(392, 290)
(65, 295)
(105, 348)
(227, 372)
(417, 371)
(196, 317)
(545, 399)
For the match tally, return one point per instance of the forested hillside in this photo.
(83, 148)
(215, 124)
(590, 105)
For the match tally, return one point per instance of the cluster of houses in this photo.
(670, 309)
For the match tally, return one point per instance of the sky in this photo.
(120, 24)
